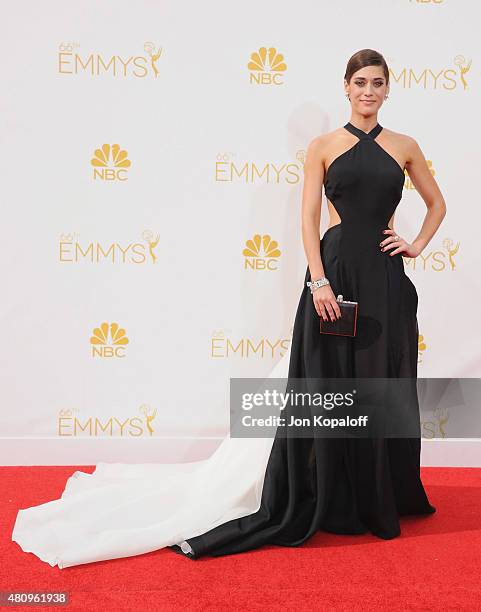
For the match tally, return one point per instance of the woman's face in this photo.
(367, 89)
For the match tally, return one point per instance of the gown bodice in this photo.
(364, 183)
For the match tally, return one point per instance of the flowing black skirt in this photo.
(340, 485)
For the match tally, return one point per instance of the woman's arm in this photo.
(311, 207)
(428, 189)
(323, 298)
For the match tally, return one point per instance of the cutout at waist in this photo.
(330, 228)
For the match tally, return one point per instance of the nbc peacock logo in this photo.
(421, 347)
(266, 67)
(108, 341)
(110, 163)
(261, 253)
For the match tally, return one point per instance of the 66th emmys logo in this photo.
(225, 346)
(266, 67)
(439, 260)
(108, 340)
(229, 169)
(110, 163)
(436, 427)
(71, 424)
(72, 62)
(447, 77)
(73, 251)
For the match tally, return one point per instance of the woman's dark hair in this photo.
(366, 57)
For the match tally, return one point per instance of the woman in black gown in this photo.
(348, 485)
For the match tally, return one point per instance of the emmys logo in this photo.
(435, 428)
(421, 347)
(108, 341)
(223, 347)
(71, 425)
(72, 251)
(229, 170)
(447, 78)
(261, 253)
(71, 62)
(266, 67)
(110, 163)
(436, 261)
(408, 184)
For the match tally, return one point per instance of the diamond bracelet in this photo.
(320, 282)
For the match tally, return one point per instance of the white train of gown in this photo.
(122, 509)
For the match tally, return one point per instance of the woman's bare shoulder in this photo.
(402, 138)
(321, 144)
(405, 143)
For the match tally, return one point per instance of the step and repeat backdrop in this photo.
(152, 168)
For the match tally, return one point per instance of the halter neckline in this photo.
(361, 133)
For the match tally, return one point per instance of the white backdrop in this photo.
(144, 145)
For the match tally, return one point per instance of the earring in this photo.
(386, 97)
(347, 96)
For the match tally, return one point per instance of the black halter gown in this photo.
(344, 485)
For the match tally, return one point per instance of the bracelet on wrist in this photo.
(320, 282)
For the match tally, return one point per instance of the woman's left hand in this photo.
(393, 241)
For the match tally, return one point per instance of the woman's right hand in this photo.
(326, 304)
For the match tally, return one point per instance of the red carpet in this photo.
(434, 565)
